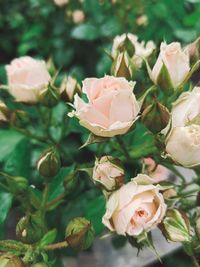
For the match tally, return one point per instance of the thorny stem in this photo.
(59, 245)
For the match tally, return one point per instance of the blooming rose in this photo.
(157, 172)
(134, 208)
(175, 60)
(108, 173)
(112, 107)
(186, 108)
(26, 78)
(183, 145)
(141, 50)
(61, 2)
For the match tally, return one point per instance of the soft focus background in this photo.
(76, 36)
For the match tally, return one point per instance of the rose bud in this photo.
(70, 181)
(30, 229)
(158, 172)
(135, 208)
(79, 233)
(194, 50)
(49, 163)
(108, 173)
(78, 16)
(169, 193)
(175, 226)
(49, 97)
(11, 261)
(183, 145)
(155, 117)
(186, 108)
(112, 108)
(69, 88)
(27, 77)
(4, 113)
(14, 262)
(61, 2)
(138, 50)
(171, 67)
(122, 67)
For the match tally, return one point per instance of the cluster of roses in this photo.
(111, 110)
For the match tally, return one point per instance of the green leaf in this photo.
(48, 238)
(85, 32)
(8, 141)
(94, 212)
(19, 160)
(5, 205)
(56, 187)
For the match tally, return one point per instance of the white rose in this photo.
(135, 208)
(27, 77)
(183, 145)
(111, 108)
(175, 59)
(141, 50)
(186, 107)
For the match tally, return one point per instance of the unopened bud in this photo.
(49, 163)
(155, 117)
(69, 88)
(49, 97)
(70, 181)
(79, 233)
(176, 226)
(170, 193)
(4, 113)
(30, 229)
(108, 173)
(121, 66)
(127, 46)
(194, 50)
(14, 262)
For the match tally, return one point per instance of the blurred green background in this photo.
(40, 28)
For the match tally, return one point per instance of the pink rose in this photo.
(135, 208)
(157, 172)
(27, 77)
(108, 173)
(176, 61)
(111, 109)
